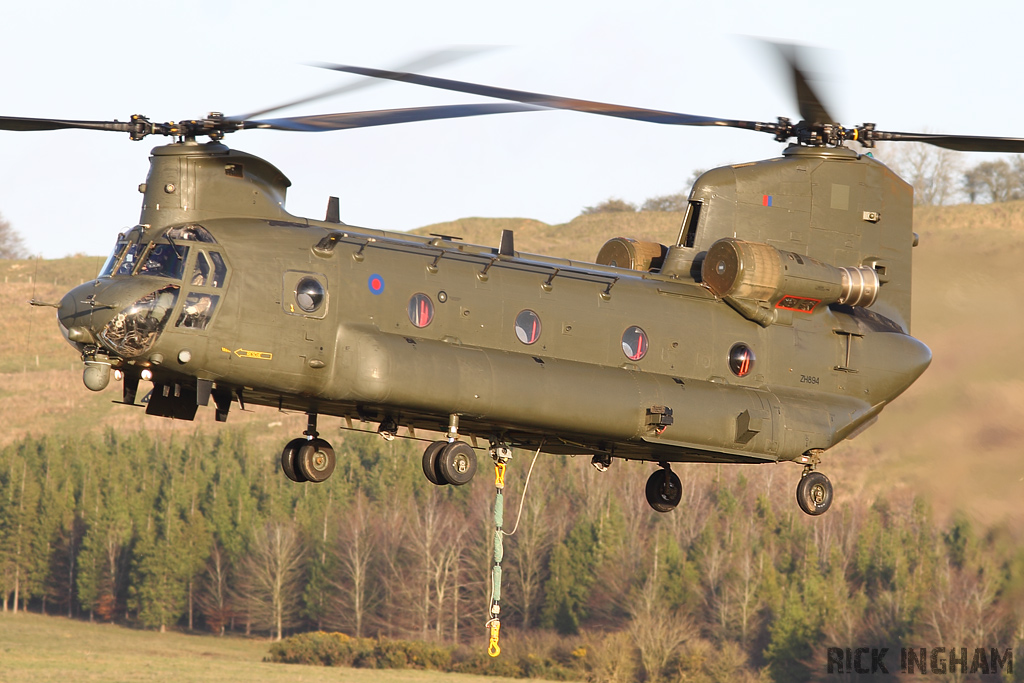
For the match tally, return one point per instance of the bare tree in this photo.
(11, 245)
(933, 171)
(355, 553)
(532, 544)
(214, 598)
(392, 551)
(271, 577)
(657, 631)
(995, 181)
(437, 533)
(744, 591)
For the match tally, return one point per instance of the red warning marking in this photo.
(800, 304)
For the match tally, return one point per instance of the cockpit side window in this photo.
(206, 275)
(220, 271)
(201, 274)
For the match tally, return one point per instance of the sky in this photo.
(907, 66)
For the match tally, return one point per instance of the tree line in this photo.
(205, 533)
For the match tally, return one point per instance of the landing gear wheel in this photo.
(814, 493)
(288, 463)
(430, 467)
(315, 460)
(664, 490)
(456, 463)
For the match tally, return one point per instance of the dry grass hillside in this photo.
(954, 437)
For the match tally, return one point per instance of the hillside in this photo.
(954, 436)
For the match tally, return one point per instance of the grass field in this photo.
(37, 649)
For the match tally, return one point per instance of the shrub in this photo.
(338, 649)
(324, 649)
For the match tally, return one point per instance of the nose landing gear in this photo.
(310, 458)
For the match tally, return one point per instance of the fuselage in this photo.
(381, 327)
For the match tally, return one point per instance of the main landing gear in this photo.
(308, 458)
(664, 490)
(814, 492)
(450, 461)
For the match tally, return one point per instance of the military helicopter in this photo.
(776, 325)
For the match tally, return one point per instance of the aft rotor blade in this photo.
(365, 119)
(553, 101)
(960, 143)
(428, 60)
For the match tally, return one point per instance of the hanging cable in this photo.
(501, 455)
(522, 499)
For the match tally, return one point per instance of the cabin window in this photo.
(741, 360)
(309, 294)
(634, 343)
(528, 326)
(421, 310)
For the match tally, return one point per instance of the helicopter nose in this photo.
(75, 316)
(86, 309)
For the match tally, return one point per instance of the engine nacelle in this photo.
(740, 271)
(625, 252)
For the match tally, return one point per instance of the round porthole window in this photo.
(421, 310)
(309, 294)
(634, 343)
(527, 326)
(741, 360)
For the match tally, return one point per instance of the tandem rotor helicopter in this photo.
(776, 325)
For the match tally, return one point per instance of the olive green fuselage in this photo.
(582, 384)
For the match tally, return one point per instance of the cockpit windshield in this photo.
(164, 260)
(133, 256)
(115, 255)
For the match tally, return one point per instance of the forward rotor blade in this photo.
(811, 108)
(25, 124)
(427, 60)
(553, 101)
(960, 143)
(365, 119)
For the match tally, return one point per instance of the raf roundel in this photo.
(376, 283)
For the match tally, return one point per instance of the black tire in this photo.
(814, 493)
(315, 460)
(288, 460)
(664, 490)
(456, 463)
(430, 468)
